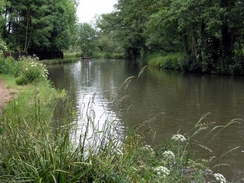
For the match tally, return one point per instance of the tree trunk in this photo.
(194, 44)
(227, 43)
(185, 41)
(27, 30)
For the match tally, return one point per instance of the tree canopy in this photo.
(86, 38)
(38, 25)
(209, 33)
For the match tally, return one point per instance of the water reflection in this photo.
(95, 121)
(163, 101)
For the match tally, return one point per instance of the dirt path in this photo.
(5, 95)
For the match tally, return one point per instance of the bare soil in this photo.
(6, 95)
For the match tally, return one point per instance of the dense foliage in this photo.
(208, 33)
(37, 25)
(86, 38)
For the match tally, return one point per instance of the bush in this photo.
(30, 71)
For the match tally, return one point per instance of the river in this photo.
(164, 102)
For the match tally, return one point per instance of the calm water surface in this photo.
(163, 101)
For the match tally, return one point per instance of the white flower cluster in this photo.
(168, 155)
(179, 137)
(35, 64)
(148, 147)
(162, 171)
(220, 178)
(118, 152)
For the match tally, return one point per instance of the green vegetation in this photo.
(203, 36)
(169, 61)
(68, 58)
(206, 36)
(38, 147)
(37, 25)
(96, 44)
(208, 33)
(87, 39)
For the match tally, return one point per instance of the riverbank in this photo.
(74, 57)
(189, 64)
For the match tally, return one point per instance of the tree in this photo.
(38, 25)
(128, 25)
(87, 39)
(2, 20)
(208, 32)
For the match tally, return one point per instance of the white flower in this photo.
(179, 137)
(162, 171)
(119, 152)
(148, 147)
(168, 155)
(220, 178)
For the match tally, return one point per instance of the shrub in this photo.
(30, 71)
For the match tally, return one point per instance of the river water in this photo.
(163, 102)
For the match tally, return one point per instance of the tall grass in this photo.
(169, 61)
(8, 66)
(37, 148)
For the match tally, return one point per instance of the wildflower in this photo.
(168, 155)
(179, 137)
(148, 147)
(220, 178)
(162, 171)
(119, 152)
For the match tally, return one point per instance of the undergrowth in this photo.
(169, 61)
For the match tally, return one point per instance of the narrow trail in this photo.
(5, 95)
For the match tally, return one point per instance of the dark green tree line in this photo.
(209, 33)
(38, 25)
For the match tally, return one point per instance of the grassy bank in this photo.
(68, 58)
(182, 62)
(173, 61)
(74, 57)
(167, 61)
(108, 55)
(35, 147)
